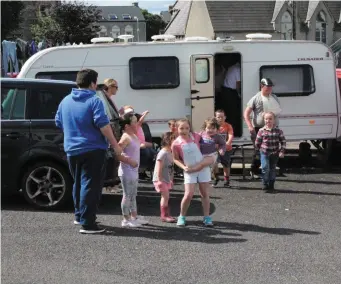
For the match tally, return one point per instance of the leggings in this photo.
(129, 187)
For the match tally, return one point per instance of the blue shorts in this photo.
(225, 159)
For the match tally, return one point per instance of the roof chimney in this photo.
(136, 4)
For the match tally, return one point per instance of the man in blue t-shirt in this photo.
(87, 132)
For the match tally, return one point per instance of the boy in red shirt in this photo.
(226, 130)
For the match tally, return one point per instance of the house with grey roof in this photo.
(314, 20)
(118, 20)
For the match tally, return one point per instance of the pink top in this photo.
(179, 142)
(140, 135)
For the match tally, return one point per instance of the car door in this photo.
(43, 102)
(15, 133)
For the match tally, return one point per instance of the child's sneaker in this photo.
(130, 224)
(208, 221)
(215, 182)
(141, 220)
(227, 183)
(181, 221)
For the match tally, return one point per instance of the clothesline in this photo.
(14, 53)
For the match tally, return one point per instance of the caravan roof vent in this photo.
(102, 40)
(258, 36)
(229, 38)
(196, 38)
(163, 38)
(126, 38)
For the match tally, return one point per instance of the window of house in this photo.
(115, 31)
(112, 17)
(290, 80)
(128, 30)
(154, 72)
(321, 27)
(102, 32)
(202, 70)
(46, 101)
(66, 75)
(13, 103)
(286, 26)
(126, 17)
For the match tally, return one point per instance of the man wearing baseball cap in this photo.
(262, 102)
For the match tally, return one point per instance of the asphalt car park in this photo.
(292, 236)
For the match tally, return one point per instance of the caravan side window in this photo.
(290, 80)
(154, 72)
(202, 70)
(67, 75)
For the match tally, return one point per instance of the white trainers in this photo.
(130, 224)
(141, 220)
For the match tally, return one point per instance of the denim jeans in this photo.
(88, 172)
(147, 156)
(268, 164)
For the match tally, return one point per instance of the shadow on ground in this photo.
(195, 232)
(148, 202)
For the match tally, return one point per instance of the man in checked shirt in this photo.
(271, 143)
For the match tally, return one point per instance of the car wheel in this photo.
(47, 185)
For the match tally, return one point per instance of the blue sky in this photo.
(152, 6)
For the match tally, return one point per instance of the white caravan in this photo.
(176, 78)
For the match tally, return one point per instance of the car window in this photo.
(12, 103)
(44, 101)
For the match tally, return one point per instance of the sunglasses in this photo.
(114, 86)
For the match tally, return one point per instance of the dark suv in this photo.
(32, 154)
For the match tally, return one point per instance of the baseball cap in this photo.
(266, 82)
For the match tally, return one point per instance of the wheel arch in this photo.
(39, 159)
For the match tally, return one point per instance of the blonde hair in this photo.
(183, 120)
(128, 109)
(109, 82)
(269, 112)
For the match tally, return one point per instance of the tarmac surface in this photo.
(292, 236)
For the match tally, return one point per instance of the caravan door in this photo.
(202, 89)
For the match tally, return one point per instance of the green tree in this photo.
(69, 22)
(154, 24)
(77, 20)
(10, 17)
(47, 28)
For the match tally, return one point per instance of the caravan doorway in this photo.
(228, 91)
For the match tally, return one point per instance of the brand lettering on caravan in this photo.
(310, 59)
